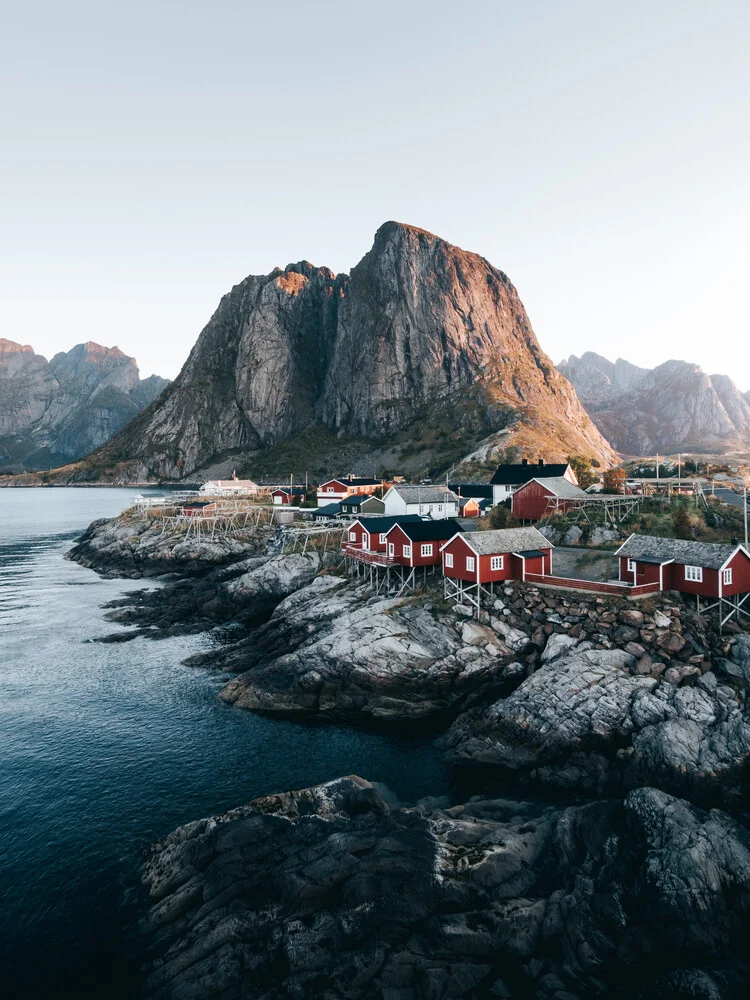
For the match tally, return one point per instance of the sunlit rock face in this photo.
(416, 321)
(58, 411)
(674, 407)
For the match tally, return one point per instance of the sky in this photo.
(154, 154)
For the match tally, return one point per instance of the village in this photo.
(395, 537)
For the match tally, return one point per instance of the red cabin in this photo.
(468, 507)
(368, 533)
(417, 543)
(288, 494)
(705, 569)
(540, 496)
(481, 557)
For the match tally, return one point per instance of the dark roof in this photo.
(290, 489)
(729, 497)
(485, 503)
(356, 499)
(199, 503)
(479, 491)
(643, 548)
(379, 525)
(530, 553)
(430, 531)
(330, 510)
(517, 474)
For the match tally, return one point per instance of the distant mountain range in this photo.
(423, 347)
(53, 412)
(674, 407)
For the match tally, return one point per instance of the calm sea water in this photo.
(104, 748)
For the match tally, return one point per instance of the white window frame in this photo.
(427, 549)
(449, 560)
(440, 508)
(694, 574)
(727, 576)
(470, 564)
(407, 551)
(352, 536)
(631, 565)
(497, 563)
(382, 538)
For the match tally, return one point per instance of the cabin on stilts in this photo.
(473, 562)
(717, 574)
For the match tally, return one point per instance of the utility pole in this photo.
(657, 469)
(679, 471)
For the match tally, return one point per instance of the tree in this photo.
(681, 524)
(614, 480)
(501, 516)
(581, 465)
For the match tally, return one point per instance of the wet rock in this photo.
(331, 891)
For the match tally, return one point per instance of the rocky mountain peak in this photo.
(673, 407)
(417, 324)
(11, 347)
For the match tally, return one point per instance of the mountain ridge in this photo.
(673, 407)
(416, 327)
(60, 410)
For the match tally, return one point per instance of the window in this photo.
(440, 508)
(352, 536)
(427, 549)
(407, 551)
(470, 564)
(449, 559)
(381, 536)
(421, 508)
(330, 489)
(631, 565)
(727, 577)
(694, 573)
(496, 562)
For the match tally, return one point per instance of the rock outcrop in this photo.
(58, 411)
(674, 407)
(330, 652)
(418, 326)
(332, 892)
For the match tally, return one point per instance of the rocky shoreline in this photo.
(629, 720)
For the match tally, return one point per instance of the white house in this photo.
(230, 487)
(435, 502)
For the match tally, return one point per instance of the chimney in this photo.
(541, 462)
(524, 461)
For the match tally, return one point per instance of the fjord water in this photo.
(106, 747)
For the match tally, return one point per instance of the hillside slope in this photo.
(420, 334)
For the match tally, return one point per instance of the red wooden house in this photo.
(539, 496)
(417, 543)
(368, 533)
(483, 557)
(346, 486)
(705, 569)
(468, 507)
(288, 494)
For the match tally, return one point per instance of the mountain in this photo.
(424, 349)
(674, 407)
(57, 411)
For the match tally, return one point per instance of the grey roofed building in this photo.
(330, 510)
(729, 497)
(563, 488)
(490, 543)
(425, 494)
(648, 548)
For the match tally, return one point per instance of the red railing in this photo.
(365, 555)
(594, 586)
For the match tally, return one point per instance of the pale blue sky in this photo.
(153, 154)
